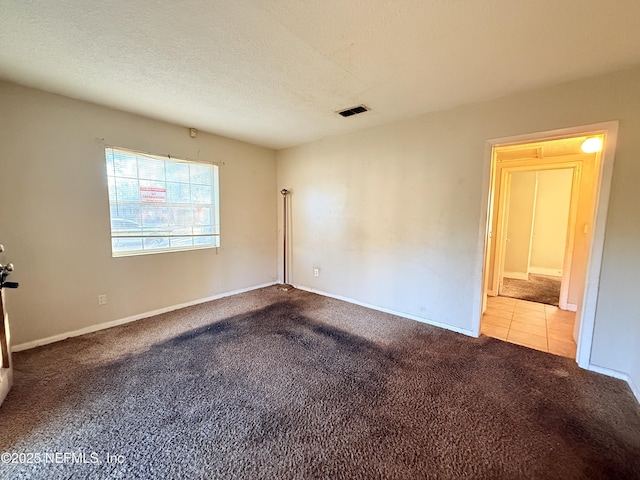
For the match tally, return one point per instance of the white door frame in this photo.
(594, 263)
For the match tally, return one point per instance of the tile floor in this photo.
(533, 325)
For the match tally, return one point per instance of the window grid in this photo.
(145, 216)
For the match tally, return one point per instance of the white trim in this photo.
(533, 216)
(594, 265)
(502, 220)
(516, 275)
(133, 318)
(388, 310)
(617, 374)
(484, 245)
(570, 234)
(572, 307)
(634, 388)
(551, 272)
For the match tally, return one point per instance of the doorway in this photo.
(540, 206)
(591, 178)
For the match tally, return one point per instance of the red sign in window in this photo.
(153, 194)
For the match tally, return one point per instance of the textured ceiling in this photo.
(274, 72)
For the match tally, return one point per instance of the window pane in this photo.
(111, 182)
(203, 240)
(152, 184)
(130, 212)
(178, 193)
(202, 216)
(127, 190)
(150, 168)
(154, 216)
(200, 174)
(125, 165)
(203, 230)
(109, 156)
(177, 171)
(122, 226)
(181, 241)
(126, 244)
(201, 194)
(156, 243)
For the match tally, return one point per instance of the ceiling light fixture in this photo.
(592, 145)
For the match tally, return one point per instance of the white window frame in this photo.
(164, 204)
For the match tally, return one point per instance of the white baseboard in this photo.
(552, 272)
(572, 307)
(516, 275)
(133, 318)
(634, 388)
(387, 310)
(616, 374)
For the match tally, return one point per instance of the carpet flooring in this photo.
(292, 385)
(539, 288)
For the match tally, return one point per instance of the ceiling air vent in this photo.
(353, 111)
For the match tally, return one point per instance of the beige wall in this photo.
(551, 219)
(392, 214)
(54, 221)
(521, 208)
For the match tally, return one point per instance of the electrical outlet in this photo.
(316, 272)
(102, 299)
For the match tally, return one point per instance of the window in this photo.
(161, 204)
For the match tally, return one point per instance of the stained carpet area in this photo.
(291, 385)
(539, 288)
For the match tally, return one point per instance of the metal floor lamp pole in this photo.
(285, 286)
